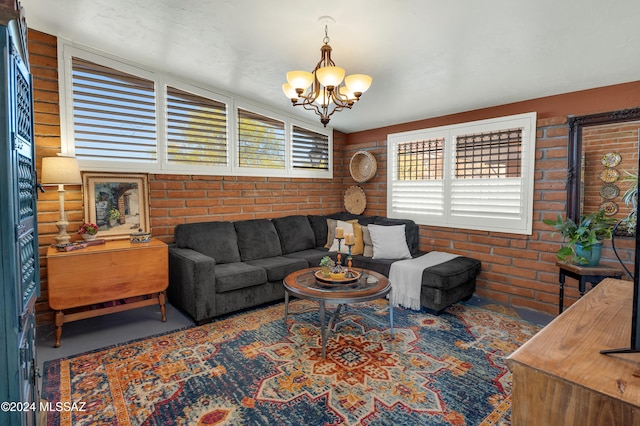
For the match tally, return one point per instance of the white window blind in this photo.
(196, 129)
(118, 116)
(310, 149)
(114, 114)
(261, 141)
(476, 175)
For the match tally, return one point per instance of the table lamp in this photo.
(61, 171)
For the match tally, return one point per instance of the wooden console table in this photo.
(105, 274)
(584, 275)
(561, 378)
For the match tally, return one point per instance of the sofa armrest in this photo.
(192, 282)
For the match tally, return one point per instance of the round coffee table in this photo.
(303, 284)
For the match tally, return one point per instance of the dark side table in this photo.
(584, 275)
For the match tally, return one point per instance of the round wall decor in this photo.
(609, 175)
(610, 208)
(609, 191)
(354, 200)
(611, 159)
(363, 166)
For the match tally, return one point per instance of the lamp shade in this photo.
(330, 76)
(60, 171)
(300, 79)
(289, 91)
(358, 83)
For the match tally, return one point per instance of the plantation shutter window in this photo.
(261, 141)
(418, 184)
(114, 114)
(487, 182)
(196, 129)
(476, 175)
(310, 149)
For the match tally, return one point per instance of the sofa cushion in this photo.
(279, 267)
(451, 274)
(319, 226)
(257, 239)
(234, 276)
(412, 231)
(214, 239)
(295, 233)
(312, 256)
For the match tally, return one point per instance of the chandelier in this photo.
(323, 90)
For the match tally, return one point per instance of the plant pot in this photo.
(326, 271)
(592, 255)
(88, 237)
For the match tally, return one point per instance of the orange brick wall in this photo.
(516, 269)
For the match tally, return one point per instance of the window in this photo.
(196, 129)
(310, 149)
(260, 141)
(116, 116)
(114, 113)
(475, 175)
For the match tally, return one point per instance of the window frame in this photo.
(444, 217)
(67, 50)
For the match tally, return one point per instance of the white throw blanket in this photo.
(406, 278)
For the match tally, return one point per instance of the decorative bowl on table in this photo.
(337, 279)
(140, 237)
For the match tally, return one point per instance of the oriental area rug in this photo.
(253, 369)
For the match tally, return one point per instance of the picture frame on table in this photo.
(117, 202)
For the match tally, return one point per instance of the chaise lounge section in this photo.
(220, 267)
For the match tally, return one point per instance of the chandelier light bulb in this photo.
(346, 93)
(330, 77)
(324, 99)
(289, 91)
(358, 83)
(300, 80)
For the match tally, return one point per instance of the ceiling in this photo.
(427, 57)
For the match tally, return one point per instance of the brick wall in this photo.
(598, 141)
(516, 269)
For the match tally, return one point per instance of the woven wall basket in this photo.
(363, 166)
(354, 200)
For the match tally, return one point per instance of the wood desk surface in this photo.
(112, 245)
(569, 347)
(589, 270)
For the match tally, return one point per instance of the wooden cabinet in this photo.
(106, 275)
(561, 378)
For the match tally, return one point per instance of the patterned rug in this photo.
(249, 369)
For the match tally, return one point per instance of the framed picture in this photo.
(118, 203)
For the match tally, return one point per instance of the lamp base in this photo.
(62, 237)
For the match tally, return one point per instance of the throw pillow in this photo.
(366, 239)
(389, 242)
(358, 248)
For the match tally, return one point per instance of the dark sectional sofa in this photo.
(221, 267)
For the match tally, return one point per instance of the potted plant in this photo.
(88, 231)
(326, 265)
(584, 239)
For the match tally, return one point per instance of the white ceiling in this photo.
(427, 57)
